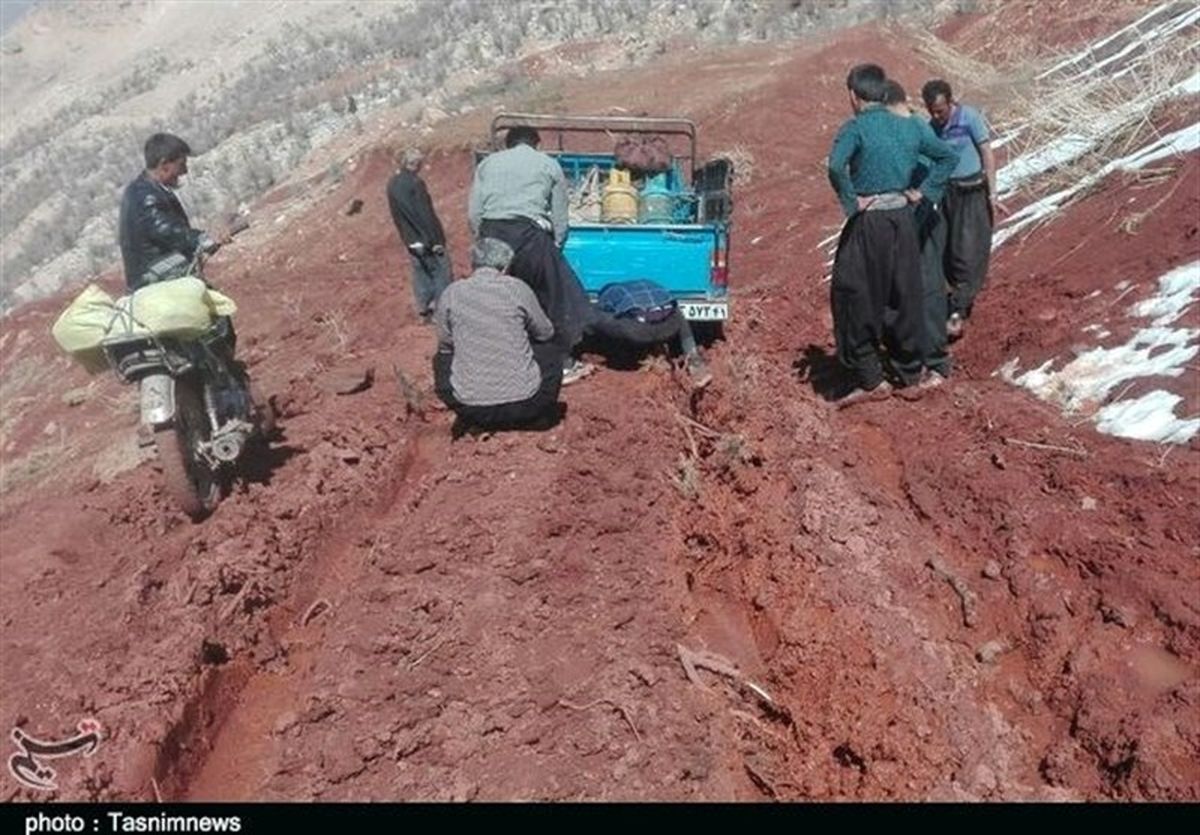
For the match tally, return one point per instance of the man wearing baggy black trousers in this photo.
(970, 205)
(877, 266)
(519, 196)
(931, 237)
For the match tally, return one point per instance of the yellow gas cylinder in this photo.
(620, 204)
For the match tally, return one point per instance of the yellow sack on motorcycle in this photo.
(222, 305)
(182, 308)
(85, 323)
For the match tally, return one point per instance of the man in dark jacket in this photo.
(157, 241)
(421, 231)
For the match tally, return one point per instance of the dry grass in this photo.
(1132, 222)
(686, 476)
(1109, 113)
(1113, 113)
(732, 451)
(744, 379)
(334, 326)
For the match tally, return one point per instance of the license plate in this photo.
(705, 311)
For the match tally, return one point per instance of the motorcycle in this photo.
(197, 403)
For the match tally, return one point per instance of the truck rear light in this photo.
(720, 270)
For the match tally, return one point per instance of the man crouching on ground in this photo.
(496, 366)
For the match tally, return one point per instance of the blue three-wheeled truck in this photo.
(671, 226)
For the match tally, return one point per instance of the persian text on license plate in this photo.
(705, 311)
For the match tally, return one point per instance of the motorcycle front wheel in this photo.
(193, 485)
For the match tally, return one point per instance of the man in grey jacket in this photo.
(497, 365)
(519, 196)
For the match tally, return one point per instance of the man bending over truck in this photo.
(519, 196)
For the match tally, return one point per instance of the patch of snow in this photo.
(1176, 292)
(1155, 351)
(1161, 31)
(1150, 417)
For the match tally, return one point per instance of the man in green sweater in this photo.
(878, 266)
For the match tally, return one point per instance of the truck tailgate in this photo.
(678, 257)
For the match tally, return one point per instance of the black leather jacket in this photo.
(412, 211)
(153, 225)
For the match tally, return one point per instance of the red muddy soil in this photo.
(741, 594)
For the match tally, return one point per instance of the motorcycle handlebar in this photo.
(236, 226)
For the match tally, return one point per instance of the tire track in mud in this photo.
(511, 632)
(249, 613)
(191, 610)
(856, 638)
(224, 742)
(846, 547)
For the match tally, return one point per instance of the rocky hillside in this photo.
(256, 87)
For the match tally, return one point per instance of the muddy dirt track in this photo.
(737, 594)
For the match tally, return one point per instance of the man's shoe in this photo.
(576, 371)
(954, 326)
(860, 395)
(932, 380)
(697, 370)
(929, 381)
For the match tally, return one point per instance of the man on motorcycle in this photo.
(199, 407)
(157, 241)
